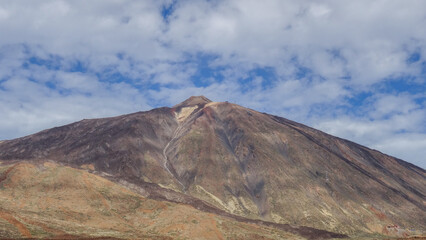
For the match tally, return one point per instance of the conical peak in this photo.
(192, 101)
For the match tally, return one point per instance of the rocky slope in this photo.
(47, 200)
(244, 163)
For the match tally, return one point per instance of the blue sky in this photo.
(355, 69)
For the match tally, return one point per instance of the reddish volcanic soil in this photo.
(239, 164)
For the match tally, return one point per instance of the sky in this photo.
(354, 69)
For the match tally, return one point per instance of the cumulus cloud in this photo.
(394, 124)
(354, 69)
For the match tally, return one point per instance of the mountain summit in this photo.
(192, 101)
(238, 163)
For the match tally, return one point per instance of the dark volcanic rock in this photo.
(244, 163)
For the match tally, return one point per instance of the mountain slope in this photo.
(246, 163)
(47, 200)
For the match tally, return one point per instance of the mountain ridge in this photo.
(246, 163)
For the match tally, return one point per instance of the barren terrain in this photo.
(226, 161)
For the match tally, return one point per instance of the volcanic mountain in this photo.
(228, 162)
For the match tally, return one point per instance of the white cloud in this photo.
(405, 146)
(3, 14)
(321, 54)
(396, 137)
(77, 82)
(393, 124)
(394, 104)
(36, 98)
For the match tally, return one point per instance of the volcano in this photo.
(227, 165)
